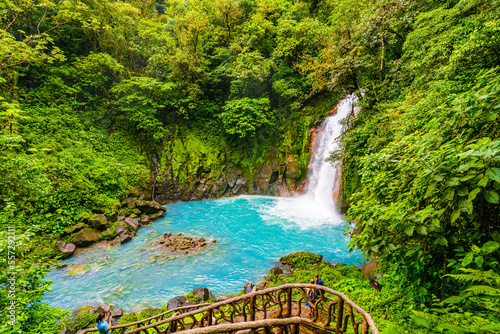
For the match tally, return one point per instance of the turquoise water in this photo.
(252, 233)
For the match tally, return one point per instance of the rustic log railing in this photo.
(261, 311)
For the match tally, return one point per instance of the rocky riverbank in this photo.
(119, 226)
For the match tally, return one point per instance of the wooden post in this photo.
(209, 315)
(340, 314)
(289, 302)
(252, 308)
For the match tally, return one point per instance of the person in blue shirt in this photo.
(103, 323)
(319, 281)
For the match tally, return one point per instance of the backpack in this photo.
(312, 296)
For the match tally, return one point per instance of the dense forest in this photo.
(98, 97)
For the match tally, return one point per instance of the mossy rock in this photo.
(77, 270)
(301, 259)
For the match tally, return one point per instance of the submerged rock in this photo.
(77, 270)
(86, 237)
(87, 308)
(182, 243)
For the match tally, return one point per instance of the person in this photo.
(319, 281)
(311, 297)
(103, 323)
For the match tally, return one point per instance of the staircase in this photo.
(278, 310)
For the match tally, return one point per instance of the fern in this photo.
(477, 276)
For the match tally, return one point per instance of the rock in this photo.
(155, 216)
(73, 229)
(66, 330)
(136, 211)
(276, 271)
(120, 230)
(133, 223)
(176, 302)
(368, 268)
(300, 259)
(261, 180)
(104, 307)
(66, 249)
(121, 218)
(239, 187)
(248, 287)
(121, 239)
(292, 167)
(145, 220)
(204, 294)
(86, 237)
(87, 308)
(149, 207)
(261, 285)
(153, 231)
(118, 313)
(99, 222)
(130, 202)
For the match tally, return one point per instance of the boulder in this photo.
(276, 271)
(104, 307)
(86, 237)
(133, 223)
(120, 230)
(248, 287)
(145, 220)
(176, 302)
(121, 239)
(136, 211)
(87, 308)
(292, 167)
(262, 285)
(155, 216)
(118, 313)
(77, 270)
(66, 249)
(149, 207)
(99, 222)
(204, 294)
(239, 187)
(130, 203)
(153, 231)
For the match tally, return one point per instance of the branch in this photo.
(18, 14)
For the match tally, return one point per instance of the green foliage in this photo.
(243, 117)
(193, 298)
(301, 259)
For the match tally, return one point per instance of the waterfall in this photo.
(324, 179)
(316, 206)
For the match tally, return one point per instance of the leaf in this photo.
(409, 230)
(420, 321)
(492, 197)
(491, 327)
(453, 329)
(392, 247)
(490, 247)
(483, 182)
(467, 259)
(374, 248)
(392, 329)
(493, 173)
(479, 261)
(473, 194)
(455, 214)
(454, 181)
(465, 205)
(442, 241)
(452, 300)
(422, 230)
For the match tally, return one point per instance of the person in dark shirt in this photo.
(318, 281)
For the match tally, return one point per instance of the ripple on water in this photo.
(252, 232)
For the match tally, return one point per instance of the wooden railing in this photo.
(280, 307)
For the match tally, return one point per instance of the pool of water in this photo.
(252, 233)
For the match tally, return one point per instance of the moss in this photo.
(193, 298)
(301, 259)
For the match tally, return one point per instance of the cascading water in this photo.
(317, 206)
(252, 232)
